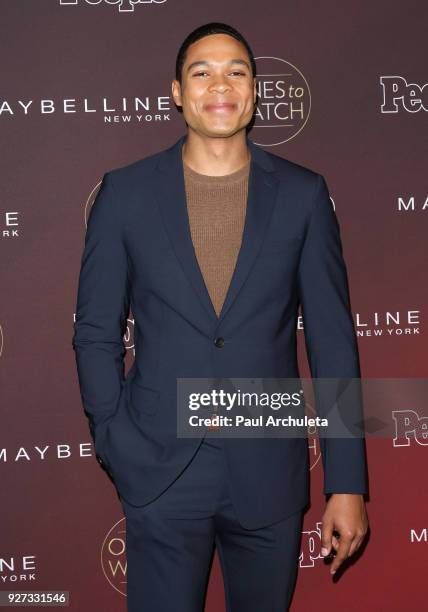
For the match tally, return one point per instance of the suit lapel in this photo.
(262, 191)
(171, 197)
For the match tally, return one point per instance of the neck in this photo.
(216, 156)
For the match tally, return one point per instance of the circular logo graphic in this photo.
(90, 201)
(113, 556)
(283, 102)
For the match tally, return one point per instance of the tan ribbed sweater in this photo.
(216, 207)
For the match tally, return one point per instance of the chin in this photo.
(222, 131)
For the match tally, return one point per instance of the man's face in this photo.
(218, 91)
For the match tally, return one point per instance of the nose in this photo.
(219, 84)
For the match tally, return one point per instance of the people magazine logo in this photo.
(410, 429)
(113, 556)
(400, 96)
(122, 6)
(310, 548)
(283, 101)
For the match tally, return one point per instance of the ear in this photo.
(176, 92)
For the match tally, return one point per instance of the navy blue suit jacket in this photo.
(139, 254)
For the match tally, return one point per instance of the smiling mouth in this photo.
(221, 106)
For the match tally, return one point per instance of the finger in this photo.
(326, 536)
(355, 545)
(342, 554)
(335, 542)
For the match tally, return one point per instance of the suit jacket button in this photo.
(219, 342)
(100, 461)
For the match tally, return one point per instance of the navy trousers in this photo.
(170, 544)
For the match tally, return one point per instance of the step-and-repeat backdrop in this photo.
(85, 88)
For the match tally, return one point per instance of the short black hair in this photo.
(213, 27)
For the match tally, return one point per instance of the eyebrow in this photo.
(205, 63)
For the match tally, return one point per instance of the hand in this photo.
(346, 514)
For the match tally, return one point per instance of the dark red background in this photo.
(61, 509)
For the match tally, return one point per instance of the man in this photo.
(214, 243)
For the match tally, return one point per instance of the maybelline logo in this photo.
(121, 110)
(397, 323)
(388, 323)
(57, 451)
(399, 95)
(409, 428)
(10, 227)
(411, 204)
(422, 536)
(124, 6)
(18, 569)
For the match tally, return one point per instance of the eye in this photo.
(238, 72)
(200, 73)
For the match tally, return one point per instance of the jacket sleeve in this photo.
(102, 309)
(331, 341)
